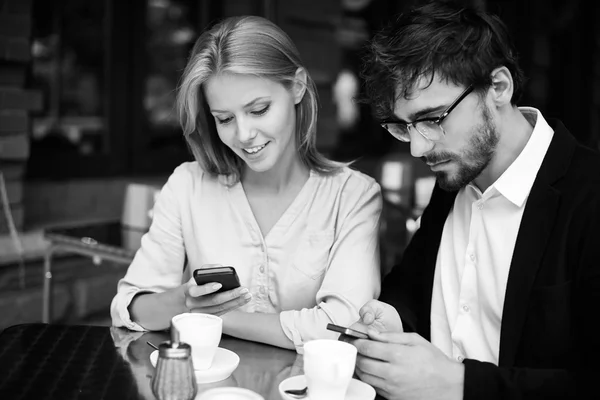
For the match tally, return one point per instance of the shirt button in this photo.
(480, 206)
(460, 358)
(262, 269)
(262, 289)
(466, 308)
(472, 257)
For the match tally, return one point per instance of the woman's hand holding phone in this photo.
(204, 299)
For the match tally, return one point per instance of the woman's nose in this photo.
(246, 131)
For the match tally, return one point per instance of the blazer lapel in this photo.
(536, 227)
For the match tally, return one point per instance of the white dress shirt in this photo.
(475, 253)
(318, 264)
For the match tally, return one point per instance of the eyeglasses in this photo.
(429, 128)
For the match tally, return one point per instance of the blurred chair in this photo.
(423, 190)
(396, 177)
(137, 212)
(115, 241)
(406, 191)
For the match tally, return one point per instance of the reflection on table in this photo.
(44, 361)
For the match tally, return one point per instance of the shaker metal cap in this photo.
(170, 349)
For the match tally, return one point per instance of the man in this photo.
(498, 293)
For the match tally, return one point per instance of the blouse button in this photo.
(262, 269)
(262, 289)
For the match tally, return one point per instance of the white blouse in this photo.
(318, 264)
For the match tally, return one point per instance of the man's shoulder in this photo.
(585, 157)
(584, 168)
(579, 185)
(573, 162)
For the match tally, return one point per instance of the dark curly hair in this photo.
(458, 44)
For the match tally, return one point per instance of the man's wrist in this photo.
(456, 380)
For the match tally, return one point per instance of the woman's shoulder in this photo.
(348, 179)
(188, 169)
(347, 191)
(190, 175)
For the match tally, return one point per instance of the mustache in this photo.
(436, 158)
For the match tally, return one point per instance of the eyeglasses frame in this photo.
(436, 120)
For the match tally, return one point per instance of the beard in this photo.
(472, 159)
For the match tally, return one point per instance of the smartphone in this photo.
(226, 276)
(347, 331)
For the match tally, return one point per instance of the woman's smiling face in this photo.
(255, 117)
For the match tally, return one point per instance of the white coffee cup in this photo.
(203, 333)
(328, 368)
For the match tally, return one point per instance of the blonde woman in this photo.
(300, 230)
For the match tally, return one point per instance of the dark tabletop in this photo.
(41, 361)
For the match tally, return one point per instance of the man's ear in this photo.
(502, 86)
(299, 85)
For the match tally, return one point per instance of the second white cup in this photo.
(203, 333)
(328, 368)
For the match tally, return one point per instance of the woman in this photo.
(300, 230)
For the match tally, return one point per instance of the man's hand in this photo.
(378, 316)
(406, 366)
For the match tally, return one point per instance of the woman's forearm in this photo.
(153, 311)
(256, 327)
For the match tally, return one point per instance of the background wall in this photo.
(16, 102)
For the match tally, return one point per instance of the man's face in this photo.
(471, 135)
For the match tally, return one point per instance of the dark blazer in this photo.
(550, 336)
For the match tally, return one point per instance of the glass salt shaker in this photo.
(174, 377)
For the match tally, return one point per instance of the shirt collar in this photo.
(516, 182)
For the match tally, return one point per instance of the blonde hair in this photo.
(247, 45)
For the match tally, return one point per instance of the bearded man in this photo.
(497, 295)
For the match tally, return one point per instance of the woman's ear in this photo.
(502, 86)
(299, 85)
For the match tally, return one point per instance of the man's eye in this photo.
(429, 122)
(262, 111)
(224, 121)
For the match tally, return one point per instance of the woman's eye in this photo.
(262, 111)
(224, 121)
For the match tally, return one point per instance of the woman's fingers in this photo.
(222, 307)
(203, 290)
(203, 299)
(219, 301)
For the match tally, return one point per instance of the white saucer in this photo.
(229, 393)
(223, 365)
(357, 390)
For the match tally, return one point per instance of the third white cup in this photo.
(328, 368)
